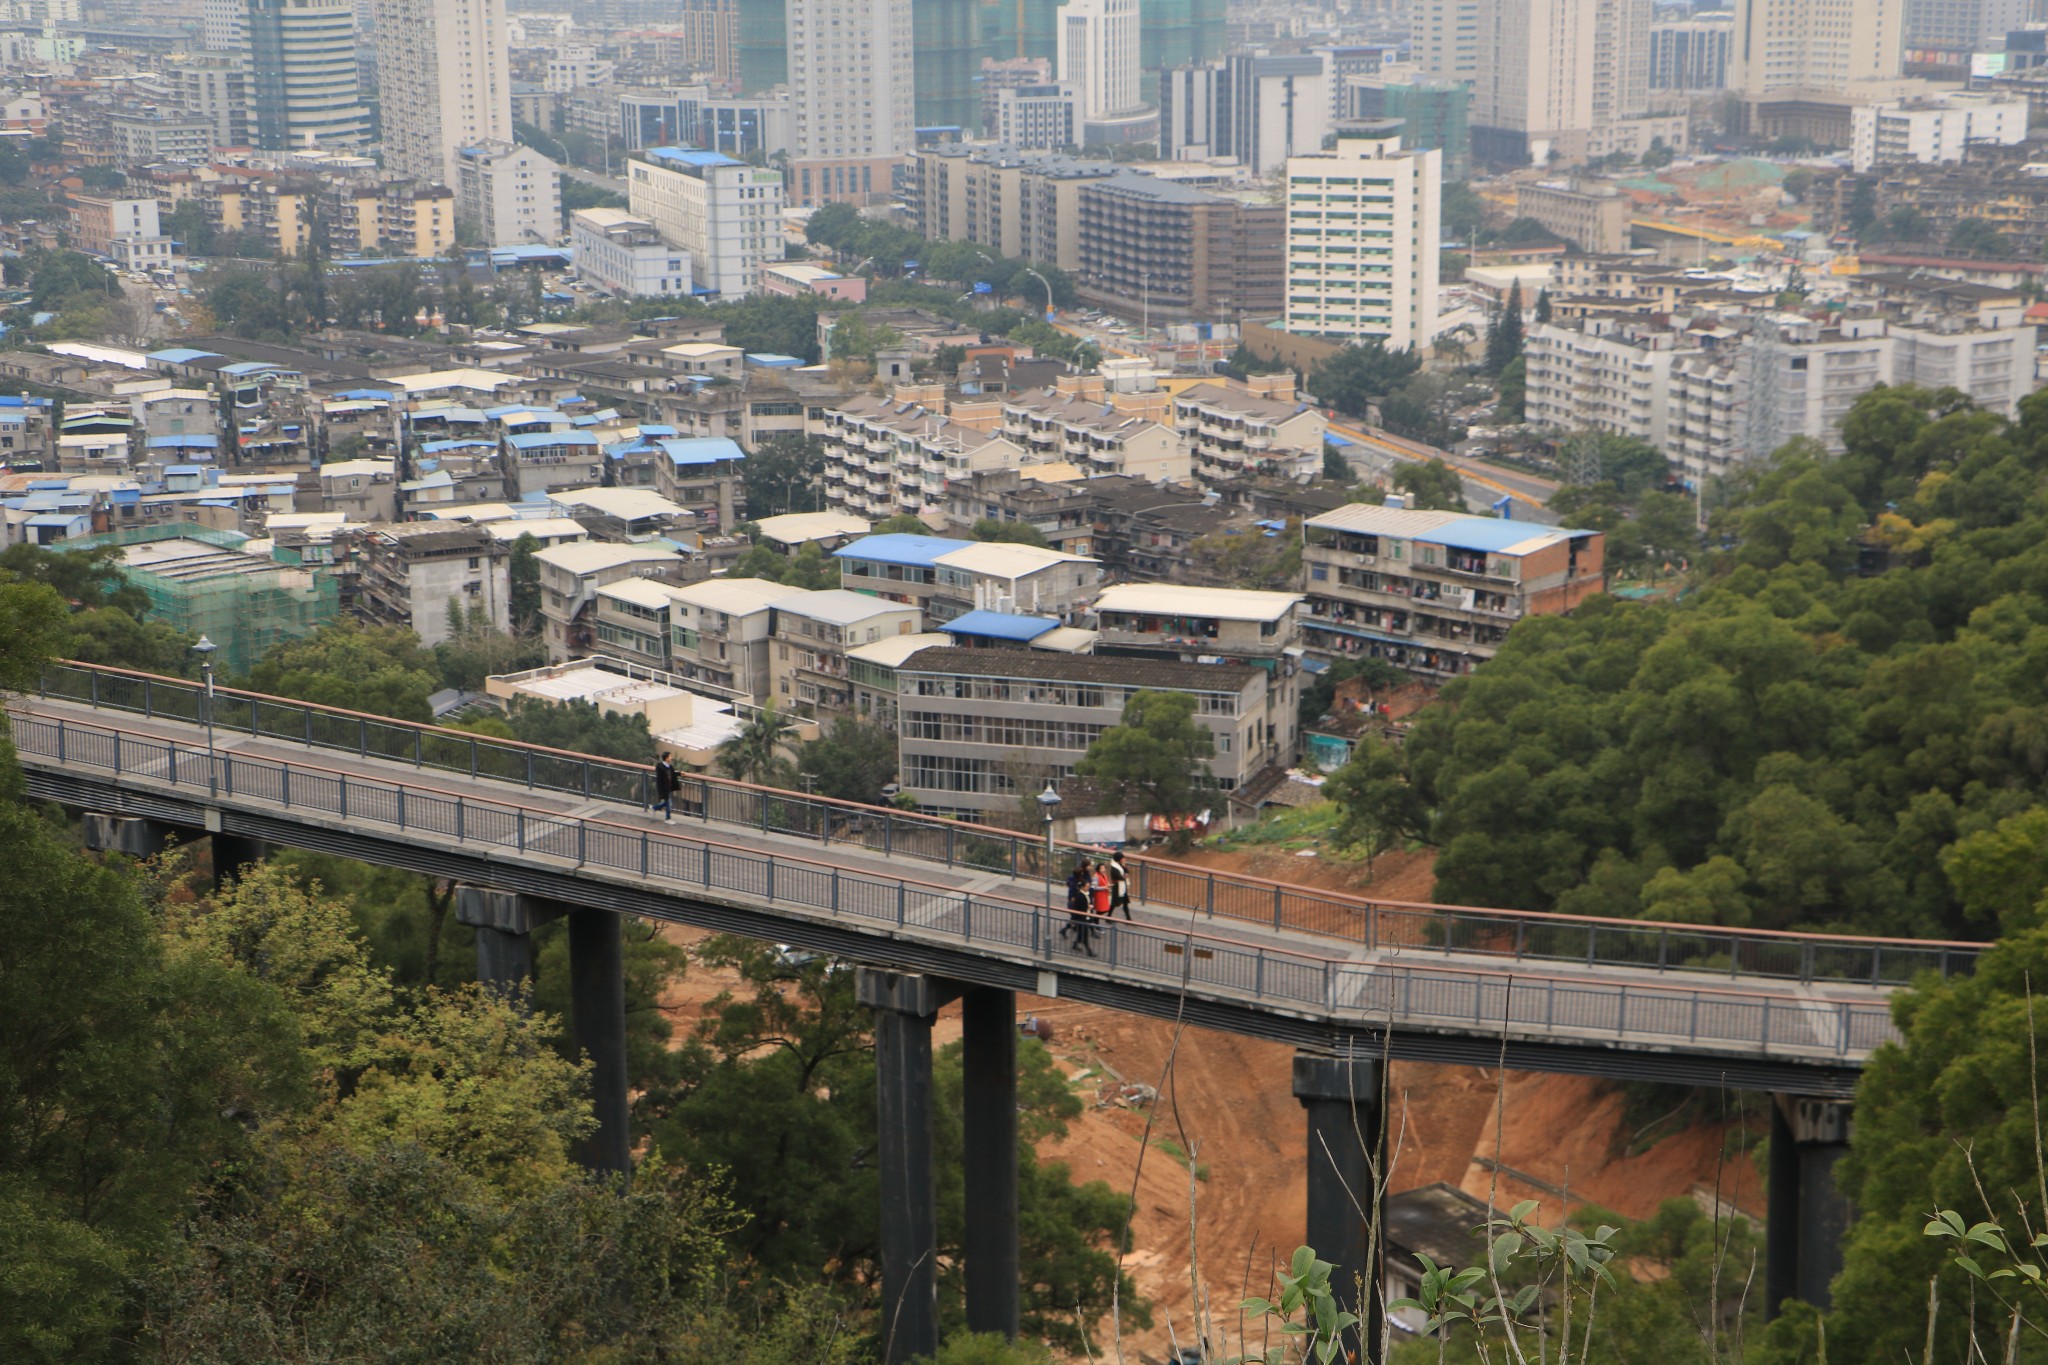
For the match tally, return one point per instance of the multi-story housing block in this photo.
(1940, 128)
(1363, 238)
(719, 633)
(1436, 592)
(421, 574)
(810, 636)
(570, 576)
(724, 212)
(508, 193)
(949, 578)
(1257, 427)
(632, 619)
(444, 82)
(885, 458)
(1093, 436)
(1609, 375)
(1166, 250)
(624, 255)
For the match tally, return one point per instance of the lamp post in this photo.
(204, 649)
(1049, 802)
(1048, 290)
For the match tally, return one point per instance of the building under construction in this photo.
(203, 582)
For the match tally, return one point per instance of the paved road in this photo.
(616, 184)
(1485, 483)
(1293, 973)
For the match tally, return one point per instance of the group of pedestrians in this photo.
(1095, 892)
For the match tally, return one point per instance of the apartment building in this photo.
(1258, 107)
(1256, 427)
(1963, 26)
(1093, 435)
(213, 87)
(1036, 118)
(392, 214)
(1794, 48)
(719, 632)
(571, 574)
(364, 490)
(810, 636)
(143, 139)
(631, 619)
(705, 475)
(443, 82)
(623, 254)
(947, 578)
(1691, 54)
(1436, 592)
(1594, 220)
(873, 670)
(508, 193)
(1364, 236)
(1932, 129)
(1202, 625)
(884, 457)
(421, 574)
(1098, 55)
(725, 213)
(1169, 252)
(1610, 375)
(979, 730)
(852, 83)
(1027, 207)
(302, 75)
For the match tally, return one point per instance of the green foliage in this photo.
(810, 567)
(525, 574)
(902, 524)
(989, 1348)
(1435, 484)
(1158, 754)
(1504, 337)
(774, 324)
(59, 277)
(383, 670)
(1514, 380)
(1010, 532)
(1462, 212)
(476, 650)
(1907, 225)
(785, 474)
(1243, 364)
(1978, 237)
(1308, 1311)
(852, 761)
(1790, 745)
(581, 727)
(1252, 558)
(1380, 809)
(1361, 374)
(755, 754)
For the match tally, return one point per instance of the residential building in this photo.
(144, 139)
(1603, 374)
(719, 633)
(1167, 251)
(1093, 435)
(213, 86)
(947, 578)
(543, 460)
(623, 254)
(576, 66)
(853, 84)
(1446, 39)
(809, 638)
(363, 490)
(1793, 48)
(390, 214)
(1254, 427)
(632, 619)
(570, 576)
(1364, 234)
(705, 475)
(688, 727)
(873, 669)
(1436, 592)
(224, 26)
(302, 75)
(1962, 26)
(1594, 220)
(421, 574)
(1434, 116)
(796, 279)
(1098, 55)
(725, 213)
(99, 221)
(508, 193)
(1027, 207)
(1257, 107)
(981, 730)
(443, 82)
(1551, 71)
(1940, 128)
(1691, 54)
(1034, 118)
(622, 515)
(883, 458)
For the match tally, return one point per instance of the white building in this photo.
(852, 85)
(1446, 39)
(883, 458)
(1042, 118)
(1814, 45)
(1964, 25)
(443, 82)
(214, 88)
(1363, 238)
(1610, 375)
(1551, 71)
(1936, 129)
(725, 213)
(622, 254)
(1691, 54)
(509, 192)
(576, 67)
(1098, 54)
(302, 75)
(224, 26)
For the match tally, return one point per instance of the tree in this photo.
(1514, 387)
(1157, 754)
(1542, 305)
(1436, 485)
(1907, 225)
(1380, 808)
(852, 761)
(785, 474)
(1253, 557)
(1244, 363)
(833, 225)
(524, 571)
(383, 670)
(1336, 469)
(1462, 212)
(902, 524)
(1862, 207)
(1657, 155)
(1978, 237)
(1010, 532)
(580, 727)
(1362, 374)
(810, 567)
(755, 754)
(1504, 338)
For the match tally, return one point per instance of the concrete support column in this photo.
(232, 853)
(1808, 1217)
(904, 1004)
(989, 1134)
(131, 835)
(597, 1014)
(1347, 1143)
(504, 922)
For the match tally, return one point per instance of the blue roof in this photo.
(529, 251)
(769, 361)
(1488, 534)
(183, 469)
(702, 449)
(359, 395)
(1000, 625)
(649, 429)
(692, 156)
(195, 441)
(183, 355)
(540, 440)
(917, 551)
(249, 367)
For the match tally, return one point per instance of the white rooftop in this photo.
(1367, 518)
(893, 650)
(795, 528)
(593, 556)
(838, 607)
(641, 592)
(628, 504)
(435, 381)
(1003, 559)
(737, 596)
(1175, 599)
(342, 469)
(592, 683)
(546, 530)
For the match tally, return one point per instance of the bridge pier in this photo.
(232, 853)
(1807, 1217)
(597, 1015)
(1347, 1145)
(904, 1004)
(133, 836)
(989, 1137)
(504, 922)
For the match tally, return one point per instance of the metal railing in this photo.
(1791, 1024)
(1511, 935)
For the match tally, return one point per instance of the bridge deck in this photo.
(1420, 998)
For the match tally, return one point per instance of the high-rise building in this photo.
(302, 75)
(224, 25)
(949, 45)
(215, 87)
(725, 213)
(444, 82)
(1364, 230)
(1961, 25)
(1098, 54)
(1175, 33)
(1433, 117)
(852, 82)
(1814, 45)
(508, 193)
(1446, 43)
(1257, 107)
(1551, 72)
(1691, 54)
(1621, 60)
(763, 45)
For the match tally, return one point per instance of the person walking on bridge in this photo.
(665, 785)
(1119, 885)
(1079, 921)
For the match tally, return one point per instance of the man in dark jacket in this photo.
(665, 786)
